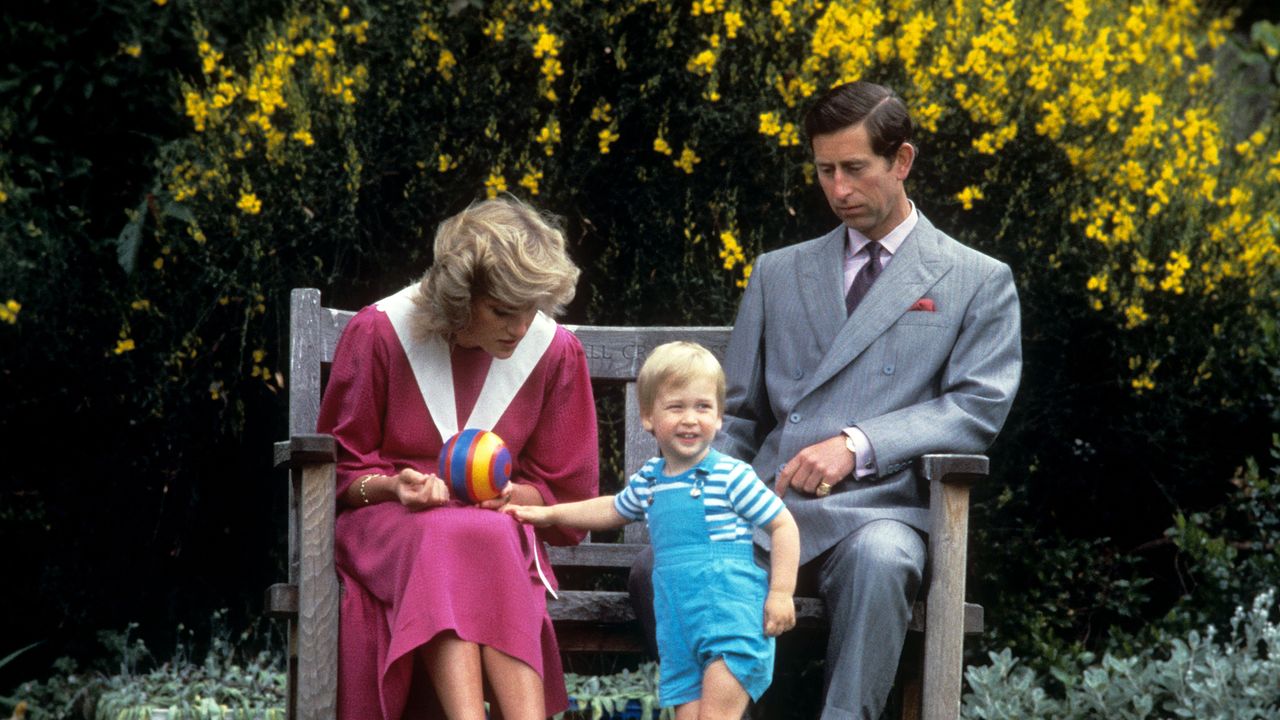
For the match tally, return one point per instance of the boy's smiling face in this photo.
(684, 420)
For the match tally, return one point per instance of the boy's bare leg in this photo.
(723, 697)
(688, 711)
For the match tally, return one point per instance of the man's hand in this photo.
(826, 462)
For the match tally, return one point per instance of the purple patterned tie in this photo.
(862, 281)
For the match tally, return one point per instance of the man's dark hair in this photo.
(877, 107)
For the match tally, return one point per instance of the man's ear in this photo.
(903, 160)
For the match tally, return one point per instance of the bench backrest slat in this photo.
(614, 354)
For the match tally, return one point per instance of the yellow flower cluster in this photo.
(688, 158)
(787, 134)
(603, 113)
(546, 47)
(496, 29)
(732, 255)
(703, 63)
(273, 102)
(968, 195)
(249, 204)
(844, 39)
(733, 22)
(730, 251)
(661, 145)
(549, 136)
(252, 101)
(769, 124)
(530, 180)
(1144, 379)
(259, 369)
(607, 137)
(446, 63)
(9, 311)
(706, 7)
(495, 183)
(1176, 268)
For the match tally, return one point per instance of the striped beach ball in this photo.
(476, 465)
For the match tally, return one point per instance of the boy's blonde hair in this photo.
(676, 364)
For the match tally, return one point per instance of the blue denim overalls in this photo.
(708, 596)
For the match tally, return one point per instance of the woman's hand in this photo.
(504, 497)
(419, 491)
(517, 493)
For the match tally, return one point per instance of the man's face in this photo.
(864, 189)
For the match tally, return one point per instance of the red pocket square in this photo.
(924, 304)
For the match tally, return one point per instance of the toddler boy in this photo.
(717, 611)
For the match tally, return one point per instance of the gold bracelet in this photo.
(364, 495)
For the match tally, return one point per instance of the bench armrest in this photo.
(954, 469)
(950, 477)
(311, 595)
(301, 450)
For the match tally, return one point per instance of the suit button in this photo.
(799, 373)
(888, 369)
(795, 417)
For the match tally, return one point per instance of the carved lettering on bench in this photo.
(595, 351)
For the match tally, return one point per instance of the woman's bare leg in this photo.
(454, 667)
(517, 687)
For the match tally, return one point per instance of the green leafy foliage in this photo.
(1195, 676)
(592, 697)
(233, 682)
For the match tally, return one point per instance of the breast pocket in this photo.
(917, 348)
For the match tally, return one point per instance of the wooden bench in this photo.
(586, 619)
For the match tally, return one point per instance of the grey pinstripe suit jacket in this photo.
(914, 381)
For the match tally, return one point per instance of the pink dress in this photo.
(408, 576)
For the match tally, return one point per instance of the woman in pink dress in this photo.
(444, 604)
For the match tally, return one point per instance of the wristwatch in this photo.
(848, 443)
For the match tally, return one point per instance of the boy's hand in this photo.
(538, 516)
(779, 613)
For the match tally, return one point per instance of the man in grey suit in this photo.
(853, 354)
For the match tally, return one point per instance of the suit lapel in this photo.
(918, 264)
(820, 278)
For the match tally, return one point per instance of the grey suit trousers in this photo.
(868, 581)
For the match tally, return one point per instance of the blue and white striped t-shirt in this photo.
(733, 495)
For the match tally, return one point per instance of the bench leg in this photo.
(944, 617)
(317, 637)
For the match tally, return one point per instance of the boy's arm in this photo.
(784, 562)
(594, 514)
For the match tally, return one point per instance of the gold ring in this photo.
(823, 489)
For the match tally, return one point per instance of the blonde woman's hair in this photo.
(675, 365)
(501, 248)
